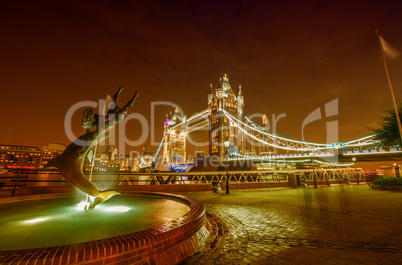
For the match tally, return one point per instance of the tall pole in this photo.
(227, 143)
(227, 177)
(312, 164)
(389, 83)
(356, 175)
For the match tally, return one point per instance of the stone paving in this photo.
(329, 225)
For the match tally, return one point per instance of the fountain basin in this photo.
(163, 239)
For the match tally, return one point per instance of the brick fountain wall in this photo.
(164, 244)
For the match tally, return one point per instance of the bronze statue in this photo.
(70, 162)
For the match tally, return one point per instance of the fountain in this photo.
(50, 229)
(135, 227)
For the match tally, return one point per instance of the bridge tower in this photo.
(220, 128)
(174, 143)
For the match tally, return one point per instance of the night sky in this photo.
(289, 56)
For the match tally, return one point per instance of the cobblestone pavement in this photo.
(328, 225)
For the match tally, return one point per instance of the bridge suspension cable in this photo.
(153, 159)
(157, 151)
(267, 137)
(201, 117)
(364, 141)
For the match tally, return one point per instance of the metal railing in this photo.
(207, 177)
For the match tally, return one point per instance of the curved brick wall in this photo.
(165, 244)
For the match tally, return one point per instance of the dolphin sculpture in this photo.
(70, 162)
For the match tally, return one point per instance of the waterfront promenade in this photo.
(329, 225)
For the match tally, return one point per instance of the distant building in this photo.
(125, 162)
(134, 163)
(113, 153)
(51, 151)
(109, 161)
(16, 157)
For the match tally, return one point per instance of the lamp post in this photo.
(394, 170)
(227, 143)
(357, 178)
(312, 164)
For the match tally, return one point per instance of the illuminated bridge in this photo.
(234, 137)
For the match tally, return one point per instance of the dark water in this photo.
(59, 221)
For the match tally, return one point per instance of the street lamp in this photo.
(312, 163)
(354, 162)
(227, 143)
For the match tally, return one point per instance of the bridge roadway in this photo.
(320, 158)
(394, 154)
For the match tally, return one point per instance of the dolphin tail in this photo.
(107, 194)
(104, 196)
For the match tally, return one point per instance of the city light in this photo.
(83, 205)
(121, 209)
(36, 220)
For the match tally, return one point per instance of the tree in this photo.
(388, 131)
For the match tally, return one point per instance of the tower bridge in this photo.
(233, 136)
